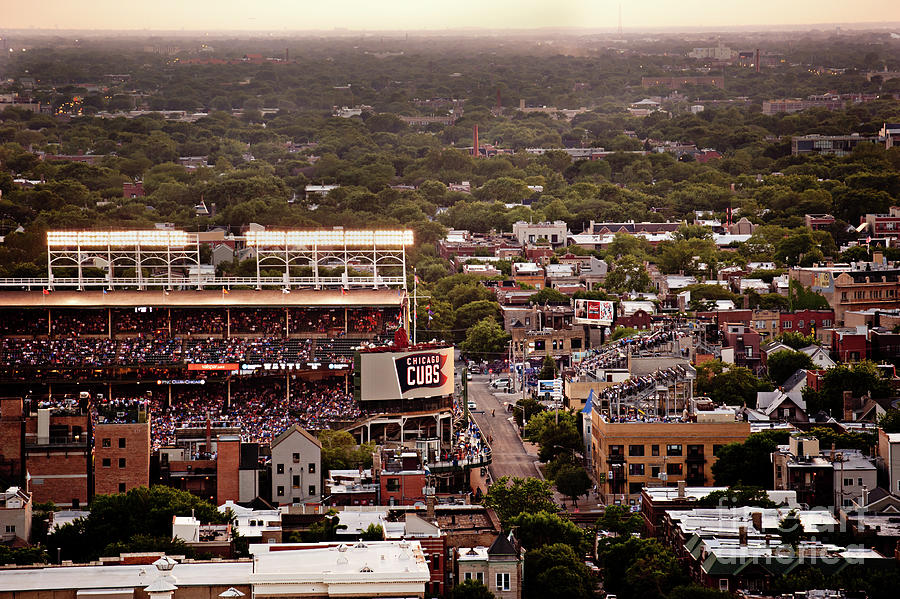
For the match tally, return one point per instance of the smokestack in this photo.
(475, 143)
(756, 517)
(742, 536)
(757, 60)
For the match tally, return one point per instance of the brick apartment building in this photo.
(633, 454)
(121, 457)
(807, 322)
(57, 443)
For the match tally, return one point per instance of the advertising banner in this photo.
(594, 312)
(406, 375)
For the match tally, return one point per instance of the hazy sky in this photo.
(430, 14)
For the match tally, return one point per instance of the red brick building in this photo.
(228, 463)
(850, 345)
(121, 457)
(58, 452)
(806, 322)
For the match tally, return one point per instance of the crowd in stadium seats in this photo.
(269, 322)
(139, 351)
(261, 411)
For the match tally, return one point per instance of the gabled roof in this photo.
(794, 381)
(502, 546)
(769, 401)
(296, 427)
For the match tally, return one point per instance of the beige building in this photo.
(15, 516)
(296, 466)
(498, 567)
(631, 454)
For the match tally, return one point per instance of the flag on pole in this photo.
(224, 291)
(105, 291)
(343, 291)
(285, 290)
(46, 292)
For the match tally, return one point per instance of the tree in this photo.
(890, 422)
(573, 482)
(546, 528)
(748, 463)
(733, 386)
(340, 451)
(796, 340)
(510, 497)
(862, 378)
(627, 275)
(472, 589)
(620, 521)
(555, 571)
(548, 295)
(639, 568)
(485, 340)
(548, 368)
(141, 517)
(790, 529)
(525, 409)
(738, 496)
(374, 532)
(22, 556)
(783, 364)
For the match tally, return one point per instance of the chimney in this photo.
(681, 486)
(742, 536)
(757, 60)
(849, 405)
(429, 509)
(757, 521)
(768, 540)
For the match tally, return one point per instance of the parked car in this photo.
(500, 383)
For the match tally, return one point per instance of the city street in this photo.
(510, 456)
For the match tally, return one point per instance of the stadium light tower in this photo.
(138, 249)
(374, 248)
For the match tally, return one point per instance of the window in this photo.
(636, 469)
(859, 482)
(467, 576)
(106, 442)
(121, 442)
(279, 469)
(295, 481)
(748, 351)
(280, 491)
(502, 581)
(312, 490)
(312, 467)
(107, 462)
(616, 450)
(800, 324)
(826, 323)
(723, 584)
(673, 450)
(636, 450)
(787, 324)
(479, 576)
(10, 528)
(695, 450)
(121, 487)
(576, 343)
(635, 488)
(674, 468)
(654, 450)
(393, 485)
(121, 462)
(296, 458)
(654, 471)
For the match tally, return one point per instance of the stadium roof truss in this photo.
(171, 259)
(383, 253)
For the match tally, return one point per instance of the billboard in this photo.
(406, 375)
(553, 387)
(594, 312)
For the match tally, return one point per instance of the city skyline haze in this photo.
(393, 15)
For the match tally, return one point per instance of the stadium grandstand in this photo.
(122, 317)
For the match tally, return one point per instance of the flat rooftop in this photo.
(121, 576)
(206, 298)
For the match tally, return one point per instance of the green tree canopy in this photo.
(510, 497)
